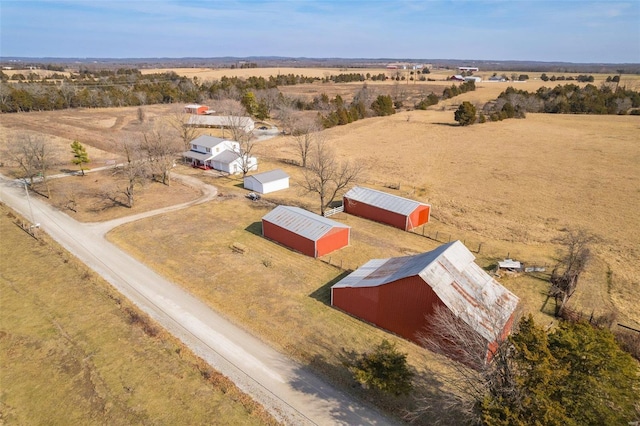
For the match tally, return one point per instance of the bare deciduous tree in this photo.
(246, 145)
(5, 96)
(33, 156)
(179, 120)
(133, 169)
(326, 176)
(236, 120)
(564, 278)
(160, 150)
(472, 374)
(306, 132)
(284, 113)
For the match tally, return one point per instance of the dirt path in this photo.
(288, 390)
(209, 192)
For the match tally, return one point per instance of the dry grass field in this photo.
(73, 352)
(512, 186)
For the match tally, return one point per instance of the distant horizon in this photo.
(308, 58)
(575, 32)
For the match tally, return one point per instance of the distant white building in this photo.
(222, 121)
(473, 78)
(208, 152)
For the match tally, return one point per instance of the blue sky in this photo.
(561, 30)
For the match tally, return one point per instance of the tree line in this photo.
(126, 87)
(129, 87)
(562, 99)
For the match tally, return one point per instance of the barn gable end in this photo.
(398, 294)
(304, 231)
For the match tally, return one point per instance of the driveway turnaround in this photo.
(288, 390)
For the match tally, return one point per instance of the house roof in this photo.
(465, 288)
(302, 222)
(383, 200)
(270, 176)
(227, 156)
(207, 141)
(201, 156)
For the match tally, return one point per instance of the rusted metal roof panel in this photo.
(465, 288)
(302, 222)
(383, 200)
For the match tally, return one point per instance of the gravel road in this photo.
(292, 393)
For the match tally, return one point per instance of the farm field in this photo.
(73, 352)
(512, 186)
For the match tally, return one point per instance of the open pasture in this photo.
(74, 352)
(512, 186)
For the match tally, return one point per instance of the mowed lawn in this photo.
(73, 352)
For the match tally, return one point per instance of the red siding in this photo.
(288, 238)
(332, 241)
(400, 307)
(418, 217)
(368, 211)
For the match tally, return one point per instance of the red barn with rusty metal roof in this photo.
(304, 231)
(387, 208)
(398, 294)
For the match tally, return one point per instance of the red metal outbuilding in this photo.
(386, 208)
(304, 231)
(196, 109)
(399, 294)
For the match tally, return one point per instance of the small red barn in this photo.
(399, 294)
(196, 109)
(386, 208)
(304, 231)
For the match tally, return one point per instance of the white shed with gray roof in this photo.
(266, 182)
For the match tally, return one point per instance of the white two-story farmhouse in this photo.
(209, 152)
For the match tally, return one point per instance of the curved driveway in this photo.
(289, 391)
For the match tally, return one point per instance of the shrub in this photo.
(384, 368)
(465, 114)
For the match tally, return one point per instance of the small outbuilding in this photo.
(266, 182)
(510, 265)
(196, 109)
(399, 294)
(246, 124)
(387, 208)
(304, 231)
